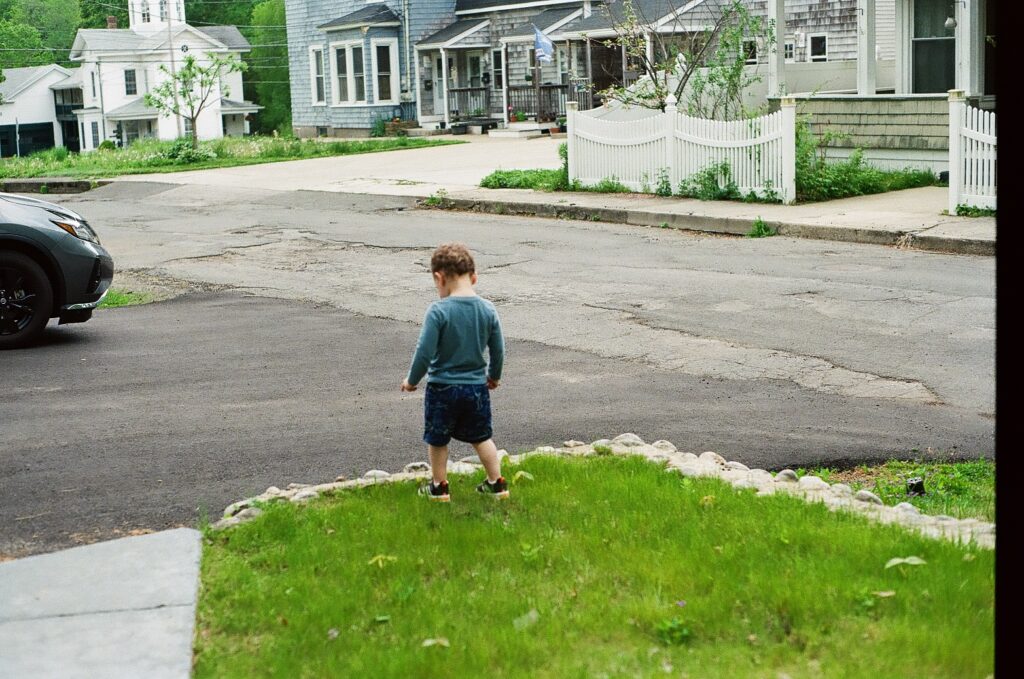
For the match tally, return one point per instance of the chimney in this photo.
(111, 22)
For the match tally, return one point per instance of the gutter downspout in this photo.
(103, 109)
(444, 88)
(504, 81)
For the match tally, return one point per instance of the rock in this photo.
(786, 476)
(691, 469)
(305, 494)
(737, 465)
(547, 450)
(908, 508)
(944, 518)
(297, 486)
(272, 490)
(628, 440)
(601, 442)
(573, 443)
(502, 453)
(376, 474)
(867, 496)
(812, 483)
(340, 477)
(662, 444)
(236, 507)
(415, 467)
(842, 490)
(461, 468)
(471, 459)
(713, 458)
(760, 476)
(248, 514)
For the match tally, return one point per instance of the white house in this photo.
(28, 117)
(119, 66)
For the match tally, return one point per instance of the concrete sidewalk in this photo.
(123, 608)
(910, 218)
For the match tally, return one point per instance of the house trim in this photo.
(514, 6)
(395, 84)
(550, 29)
(312, 74)
(461, 36)
(350, 78)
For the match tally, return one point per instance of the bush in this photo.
(107, 145)
(712, 183)
(380, 128)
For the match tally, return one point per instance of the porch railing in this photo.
(545, 103)
(581, 90)
(467, 102)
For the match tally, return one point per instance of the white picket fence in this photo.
(972, 155)
(760, 152)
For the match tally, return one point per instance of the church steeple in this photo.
(151, 16)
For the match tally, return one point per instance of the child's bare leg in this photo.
(438, 463)
(488, 453)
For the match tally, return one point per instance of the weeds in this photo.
(972, 211)
(760, 230)
(438, 199)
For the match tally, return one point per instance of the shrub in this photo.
(380, 128)
(712, 183)
(107, 145)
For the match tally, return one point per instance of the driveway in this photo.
(151, 417)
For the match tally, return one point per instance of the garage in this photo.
(33, 137)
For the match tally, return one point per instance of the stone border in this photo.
(837, 496)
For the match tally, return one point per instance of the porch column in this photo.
(504, 82)
(650, 47)
(903, 32)
(590, 72)
(969, 46)
(776, 56)
(444, 88)
(866, 64)
(419, 84)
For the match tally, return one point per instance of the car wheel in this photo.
(26, 300)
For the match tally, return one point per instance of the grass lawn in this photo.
(604, 567)
(149, 156)
(961, 489)
(119, 298)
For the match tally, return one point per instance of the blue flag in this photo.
(543, 45)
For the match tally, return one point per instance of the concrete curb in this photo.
(722, 225)
(50, 185)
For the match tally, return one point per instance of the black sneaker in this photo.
(437, 493)
(499, 489)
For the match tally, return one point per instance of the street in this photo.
(281, 361)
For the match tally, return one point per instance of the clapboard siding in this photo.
(890, 123)
(837, 19)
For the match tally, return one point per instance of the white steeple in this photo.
(152, 16)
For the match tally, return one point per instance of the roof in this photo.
(606, 17)
(371, 15)
(126, 40)
(544, 21)
(136, 110)
(450, 31)
(483, 5)
(228, 106)
(72, 81)
(18, 79)
(229, 36)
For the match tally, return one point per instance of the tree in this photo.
(201, 13)
(270, 67)
(95, 13)
(192, 89)
(703, 70)
(21, 45)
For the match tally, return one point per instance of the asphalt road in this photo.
(148, 417)
(776, 352)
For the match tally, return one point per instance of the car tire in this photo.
(21, 278)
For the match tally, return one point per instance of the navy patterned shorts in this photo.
(459, 411)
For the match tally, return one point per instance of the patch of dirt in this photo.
(157, 287)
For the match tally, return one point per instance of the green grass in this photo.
(605, 567)
(539, 180)
(119, 298)
(971, 211)
(149, 156)
(960, 489)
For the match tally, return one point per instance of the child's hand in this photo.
(493, 384)
(407, 387)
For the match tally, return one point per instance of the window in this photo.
(188, 127)
(498, 71)
(385, 71)
(93, 74)
(82, 126)
(316, 65)
(163, 10)
(145, 11)
(95, 135)
(750, 51)
(789, 50)
(475, 72)
(349, 75)
(819, 48)
(130, 86)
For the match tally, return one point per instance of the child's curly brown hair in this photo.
(452, 259)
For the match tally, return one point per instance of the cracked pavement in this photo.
(295, 314)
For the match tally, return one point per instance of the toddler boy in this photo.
(450, 352)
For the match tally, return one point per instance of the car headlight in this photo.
(77, 229)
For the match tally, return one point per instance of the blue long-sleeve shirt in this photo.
(450, 350)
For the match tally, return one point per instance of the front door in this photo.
(438, 87)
